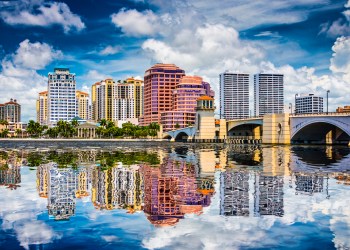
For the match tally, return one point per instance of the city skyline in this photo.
(306, 41)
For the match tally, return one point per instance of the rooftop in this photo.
(205, 98)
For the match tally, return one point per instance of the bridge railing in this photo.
(242, 137)
(321, 114)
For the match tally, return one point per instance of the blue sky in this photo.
(306, 40)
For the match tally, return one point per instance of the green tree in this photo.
(34, 129)
(75, 123)
(19, 132)
(103, 123)
(4, 133)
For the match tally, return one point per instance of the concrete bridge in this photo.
(183, 134)
(331, 128)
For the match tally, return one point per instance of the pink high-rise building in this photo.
(159, 82)
(184, 101)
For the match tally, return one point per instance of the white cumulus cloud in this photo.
(110, 50)
(39, 13)
(19, 77)
(135, 23)
(35, 55)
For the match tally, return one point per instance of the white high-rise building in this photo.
(308, 104)
(61, 96)
(234, 96)
(268, 94)
(121, 101)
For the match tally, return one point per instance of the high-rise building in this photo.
(10, 111)
(137, 95)
(42, 108)
(82, 104)
(128, 101)
(184, 102)
(268, 94)
(308, 104)
(61, 96)
(234, 96)
(160, 80)
(102, 99)
(119, 101)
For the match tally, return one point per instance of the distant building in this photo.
(128, 101)
(119, 101)
(184, 102)
(160, 80)
(268, 94)
(82, 104)
(234, 96)
(42, 108)
(61, 96)
(346, 109)
(308, 104)
(10, 111)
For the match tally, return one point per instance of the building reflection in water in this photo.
(63, 185)
(268, 196)
(234, 193)
(252, 180)
(117, 187)
(10, 170)
(172, 191)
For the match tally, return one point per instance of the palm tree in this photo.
(103, 123)
(3, 122)
(5, 133)
(75, 123)
(19, 131)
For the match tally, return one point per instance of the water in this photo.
(174, 197)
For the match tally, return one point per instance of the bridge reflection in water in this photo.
(252, 180)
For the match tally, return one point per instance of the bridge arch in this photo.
(246, 129)
(237, 123)
(181, 136)
(321, 131)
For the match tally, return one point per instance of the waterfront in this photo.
(156, 195)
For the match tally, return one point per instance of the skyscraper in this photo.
(61, 96)
(159, 80)
(128, 101)
(234, 96)
(137, 95)
(82, 104)
(308, 104)
(42, 108)
(117, 101)
(102, 100)
(184, 102)
(10, 111)
(268, 94)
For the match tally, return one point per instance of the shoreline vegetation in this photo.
(66, 130)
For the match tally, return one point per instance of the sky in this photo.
(306, 40)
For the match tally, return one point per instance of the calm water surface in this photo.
(212, 197)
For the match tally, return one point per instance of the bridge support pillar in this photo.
(172, 139)
(256, 133)
(276, 129)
